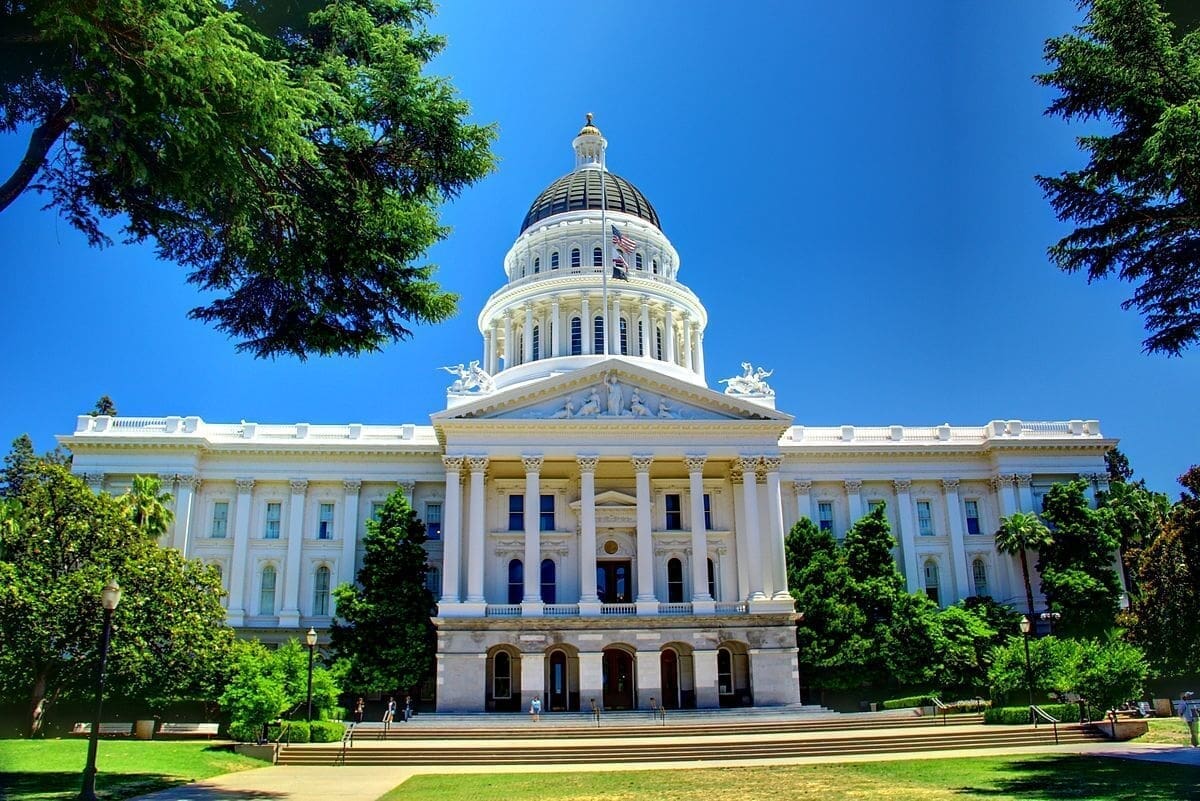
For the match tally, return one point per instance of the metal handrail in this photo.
(1039, 714)
(940, 707)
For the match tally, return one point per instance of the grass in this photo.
(1170, 731)
(52, 770)
(1031, 778)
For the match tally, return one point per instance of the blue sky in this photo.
(849, 186)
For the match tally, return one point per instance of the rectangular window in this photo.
(873, 505)
(708, 522)
(576, 336)
(924, 519)
(376, 510)
(972, 510)
(516, 512)
(325, 522)
(546, 516)
(433, 521)
(825, 515)
(271, 530)
(220, 523)
(598, 335)
(674, 512)
(433, 580)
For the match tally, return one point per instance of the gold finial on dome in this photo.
(588, 128)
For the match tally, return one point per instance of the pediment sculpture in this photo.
(750, 382)
(471, 378)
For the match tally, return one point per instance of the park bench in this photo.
(188, 729)
(106, 729)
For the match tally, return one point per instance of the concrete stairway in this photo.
(630, 741)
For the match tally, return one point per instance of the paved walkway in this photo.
(353, 783)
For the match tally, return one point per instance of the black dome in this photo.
(581, 190)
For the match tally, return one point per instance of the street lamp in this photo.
(110, 596)
(1050, 618)
(311, 640)
(1026, 629)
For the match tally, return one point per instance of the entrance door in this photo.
(558, 682)
(614, 582)
(618, 679)
(669, 667)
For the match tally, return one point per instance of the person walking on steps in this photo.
(535, 710)
(389, 714)
(360, 707)
(407, 708)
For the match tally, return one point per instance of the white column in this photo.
(531, 604)
(1025, 493)
(589, 603)
(555, 326)
(1003, 485)
(615, 336)
(702, 600)
(699, 360)
(1007, 502)
(476, 539)
(647, 602)
(742, 556)
(527, 345)
(854, 494)
(510, 358)
(687, 341)
(452, 532)
(184, 496)
(776, 564)
(349, 530)
(241, 544)
(958, 548)
(669, 335)
(749, 465)
(585, 325)
(645, 337)
(290, 614)
(908, 527)
(803, 488)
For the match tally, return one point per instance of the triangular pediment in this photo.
(612, 499)
(614, 391)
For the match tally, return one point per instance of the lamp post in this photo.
(1051, 618)
(110, 596)
(310, 639)
(1026, 629)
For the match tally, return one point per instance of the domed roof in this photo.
(581, 190)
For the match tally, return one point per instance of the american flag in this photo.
(623, 243)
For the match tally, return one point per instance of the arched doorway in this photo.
(503, 690)
(733, 675)
(668, 663)
(618, 675)
(677, 676)
(562, 680)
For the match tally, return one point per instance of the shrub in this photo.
(908, 701)
(244, 732)
(298, 731)
(326, 731)
(1066, 713)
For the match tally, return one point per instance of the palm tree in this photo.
(149, 507)
(1020, 532)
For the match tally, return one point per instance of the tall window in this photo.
(971, 507)
(502, 676)
(548, 584)
(637, 260)
(712, 579)
(931, 580)
(597, 258)
(658, 351)
(979, 576)
(433, 580)
(624, 338)
(641, 339)
(674, 581)
(654, 266)
(220, 523)
(724, 672)
(546, 513)
(873, 505)
(537, 264)
(554, 260)
(537, 342)
(516, 581)
(924, 519)
(708, 523)
(376, 510)
(576, 336)
(271, 530)
(674, 512)
(575, 260)
(598, 335)
(825, 515)
(266, 591)
(516, 512)
(433, 521)
(321, 591)
(325, 522)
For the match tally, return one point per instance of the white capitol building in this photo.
(603, 525)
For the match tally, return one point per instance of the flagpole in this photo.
(604, 260)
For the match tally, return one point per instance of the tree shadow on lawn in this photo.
(1099, 778)
(65, 786)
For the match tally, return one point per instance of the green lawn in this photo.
(1166, 730)
(52, 770)
(1030, 778)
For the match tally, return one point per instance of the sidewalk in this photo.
(308, 783)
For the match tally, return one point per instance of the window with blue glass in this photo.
(674, 510)
(549, 594)
(433, 521)
(972, 509)
(516, 512)
(546, 513)
(516, 581)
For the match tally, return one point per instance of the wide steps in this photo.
(684, 749)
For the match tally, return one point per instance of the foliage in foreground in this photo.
(267, 684)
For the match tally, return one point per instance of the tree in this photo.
(104, 406)
(17, 464)
(963, 643)
(1109, 673)
(1021, 532)
(1053, 663)
(1135, 203)
(1118, 467)
(383, 627)
(290, 156)
(148, 507)
(1138, 515)
(267, 684)
(1078, 577)
(63, 543)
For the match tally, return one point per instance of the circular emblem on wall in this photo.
(611, 547)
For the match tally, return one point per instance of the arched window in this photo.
(641, 340)
(576, 336)
(548, 585)
(674, 581)
(724, 672)
(266, 591)
(321, 591)
(637, 260)
(712, 579)
(654, 266)
(516, 581)
(554, 260)
(597, 258)
(537, 264)
(502, 675)
(598, 335)
(931, 580)
(575, 258)
(519, 351)
(537, 341)
(979, 576)
(658, 351)
(624, 337)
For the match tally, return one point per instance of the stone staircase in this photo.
(636, 737)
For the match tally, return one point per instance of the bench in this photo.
(106, 729)
(188, 729)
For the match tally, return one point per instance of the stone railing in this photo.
(735, 608)
(171, 425)
(503, 610)
(996, 430)
(675, 609)
(560, 610)
(618, 609)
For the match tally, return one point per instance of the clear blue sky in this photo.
(849, 185)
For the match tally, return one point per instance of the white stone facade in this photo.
(604, 526)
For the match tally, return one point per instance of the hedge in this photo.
(908, 701)
(298, 732)
(1067, 713)
(244, 732)
(326, 731)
